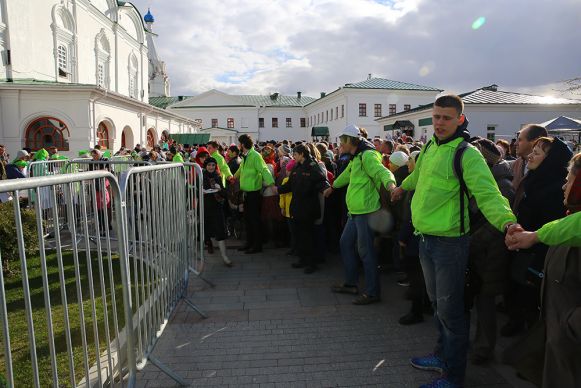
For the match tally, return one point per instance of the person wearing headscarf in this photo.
(560, 295)
(214, 219)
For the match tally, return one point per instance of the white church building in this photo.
(75, 73)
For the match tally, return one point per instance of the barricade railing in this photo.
(48, 168)
(155, 198)
(195, 217)
(65, 317)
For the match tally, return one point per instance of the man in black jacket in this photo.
(306, 181)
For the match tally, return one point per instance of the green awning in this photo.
(399, 124)
(425, 122)
(388, 127)
(191, 138)
(320, 131)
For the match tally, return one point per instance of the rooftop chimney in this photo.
(299, 95)
(492, 88)
(274, 96)
(323, 94)
(369, 76)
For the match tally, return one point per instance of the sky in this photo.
(285, 46)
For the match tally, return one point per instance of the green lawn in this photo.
(19, 328)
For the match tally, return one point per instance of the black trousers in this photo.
(305, 231)
(253, 223)
(417, 289)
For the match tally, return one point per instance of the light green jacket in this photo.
(253, 172)
(364, 174)
(223, 166)
(564, 231)
(436, 202)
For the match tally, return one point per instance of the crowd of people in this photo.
(472, 225)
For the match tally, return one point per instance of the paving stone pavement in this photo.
(273, 326)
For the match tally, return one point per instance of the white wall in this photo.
(351, 98)
(31, 27)
(294, 133)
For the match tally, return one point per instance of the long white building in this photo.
(299, 117)
(75, 73)
(491, 113)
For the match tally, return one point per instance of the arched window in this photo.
(123, 139)
(45, 132)
(102, 58)
(103, 136)
(133, 79)
(63, 29)
(150, 138)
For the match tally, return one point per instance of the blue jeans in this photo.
(357, 242)
(444, 261)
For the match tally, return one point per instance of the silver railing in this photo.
(156, 208)
(76, 303)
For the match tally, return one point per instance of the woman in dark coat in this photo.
(214, 197)
(306, 181)
(541, 202)
(561, 295)
(489, 257)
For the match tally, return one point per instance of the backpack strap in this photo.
(462, 147)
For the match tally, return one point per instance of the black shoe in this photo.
(411, 318)
(310, 269)
(298, 264)
(480, 359)
(403, 282)
(511, 329)
(364, 299)
(252, 251)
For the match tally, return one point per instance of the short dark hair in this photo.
(451, 101)
(234, 148)
(246, 141)
(302, 149)
(534, 131)
(213, 143)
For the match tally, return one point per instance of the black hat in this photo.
(210, 160)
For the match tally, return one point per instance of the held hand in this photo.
(396, 194)
(231, 179)
(521, 240)
(328, 192)
(514, 228)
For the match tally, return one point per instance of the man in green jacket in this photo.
(221, 162)
(253, 175)
(436, 216)
(366, 177)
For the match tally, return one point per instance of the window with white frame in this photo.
(133, 81)
(63, 60)
(102, 58)
(63, 28)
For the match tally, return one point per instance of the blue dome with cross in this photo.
(148, 17)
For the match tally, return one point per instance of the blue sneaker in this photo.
(429, 362)
(440, 383)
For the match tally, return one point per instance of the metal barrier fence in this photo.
(195, 212)
(156, 209)
(46, 202)
(76, 304)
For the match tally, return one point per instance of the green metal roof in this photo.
(280, 100)
(162, 102)
(382, 83)
(191, 138)
(320, 131)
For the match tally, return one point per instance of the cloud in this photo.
(263, 46)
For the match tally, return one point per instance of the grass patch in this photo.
(19, 340)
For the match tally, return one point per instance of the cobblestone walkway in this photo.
(272, 326)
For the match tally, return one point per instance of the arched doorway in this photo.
(103, 135)
(47, 132)
(127, 140)
(151, 138)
